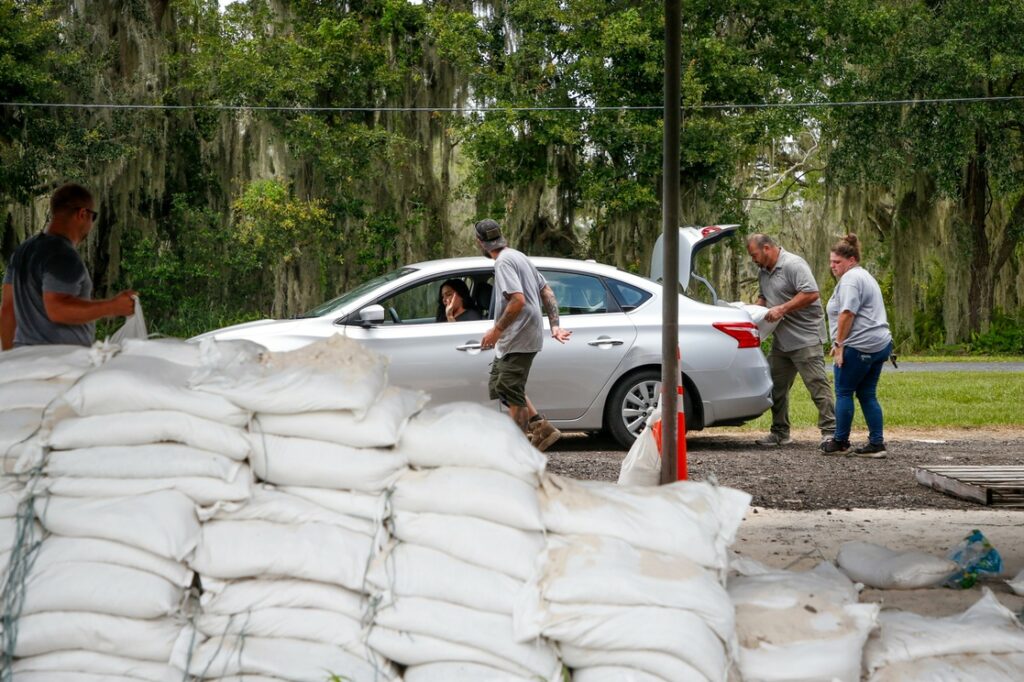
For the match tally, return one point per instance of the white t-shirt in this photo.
(858, 292)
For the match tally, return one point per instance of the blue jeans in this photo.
(859, 374)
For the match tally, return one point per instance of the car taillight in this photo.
(745, 333)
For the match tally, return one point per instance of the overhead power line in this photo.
(494, 109)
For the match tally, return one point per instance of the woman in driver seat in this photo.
(454, 304)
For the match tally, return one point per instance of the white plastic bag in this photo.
(134, 326)
(884, 568)
(642, 465)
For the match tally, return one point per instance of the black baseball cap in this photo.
(488, 231)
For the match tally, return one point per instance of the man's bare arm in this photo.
(550, 305)
(516, 303)
(68, 309)
(8, 323)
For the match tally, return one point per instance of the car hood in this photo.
(254, 331)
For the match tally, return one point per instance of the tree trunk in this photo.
(979, 294)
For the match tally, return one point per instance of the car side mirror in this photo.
(371, 315)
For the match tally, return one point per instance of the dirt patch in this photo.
(799, 477)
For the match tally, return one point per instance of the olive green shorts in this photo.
(508, 378)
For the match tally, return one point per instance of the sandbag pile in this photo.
(465, 528)
(799, 626)
(630, 579)
(30, 378)
(985, 642)
(129, 449)
(283, 573)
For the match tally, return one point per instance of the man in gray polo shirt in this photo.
(788, 289)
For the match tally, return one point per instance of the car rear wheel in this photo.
(631, 403)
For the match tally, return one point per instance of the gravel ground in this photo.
(799, 477)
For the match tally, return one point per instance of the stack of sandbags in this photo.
(129, 450)
(465, 529)
(30, 378)
(800, 626)
(985, 642)
(283, 573)
(630, 579)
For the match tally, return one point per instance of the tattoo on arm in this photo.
(505, 320)
(550, 304)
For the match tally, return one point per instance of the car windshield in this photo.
(337, 304)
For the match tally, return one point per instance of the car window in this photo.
(628, 296)
(421, 303)
(579, 294)
(337, 304)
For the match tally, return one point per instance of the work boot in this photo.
(835, 447)
(773, 440)
(871, 450)
(542, 434)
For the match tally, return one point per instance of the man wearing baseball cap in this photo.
(520, 291)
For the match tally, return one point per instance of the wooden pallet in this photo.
(996, 486)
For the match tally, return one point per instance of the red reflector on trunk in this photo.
(745, 333)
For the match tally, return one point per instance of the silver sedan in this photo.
(606, 377)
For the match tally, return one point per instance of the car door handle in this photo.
(605, 341)
(469, 346)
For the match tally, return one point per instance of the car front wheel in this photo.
(631, 403)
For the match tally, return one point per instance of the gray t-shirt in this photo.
(514, 273)
(791, 276)
(47, 263)
(858, 292)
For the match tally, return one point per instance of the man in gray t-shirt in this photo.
(47, 291)
(518, 333)
(788, 289)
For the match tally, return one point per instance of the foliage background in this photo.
(219, 215)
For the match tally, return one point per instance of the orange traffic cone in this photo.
(681, 473)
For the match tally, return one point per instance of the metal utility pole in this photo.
(670, 225)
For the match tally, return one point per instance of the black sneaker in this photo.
(835, 447)
(871, 450)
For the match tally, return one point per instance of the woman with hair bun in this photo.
(861, 343)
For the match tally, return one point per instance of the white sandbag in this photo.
(490, 632)
(146, 640)
(884, 568)
(31, 394)
(483, 543)
(44, 362)
(779, 589)
(156, 460)
(674, 632)
(661, 666)
(642, 465)
(202, 490)
(405, 570)
(163, 523)
(961, 668)
(152, 426)
(17, 426)
(987, 627)
(336, 373)
(362, 505)
(58, 550)
(54, 676)
(100, 588)
(309, 625)
(313, 551)
(11, 493)
(135, 383)
(695, 520)
(414, 649)
(464, 491)
(268, 504)
(450, 436)
(9, 531)
(757, 315)
(134, 326)
(178, 351)
(818, 641)
(318, 464)
(461, 672)
(1017, 584)
(579, 570)
(611, 673)
(238, 596)
(382, 426)
(287, 659)
(103, 666)
(245, 678)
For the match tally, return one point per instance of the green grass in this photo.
(927, 399)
